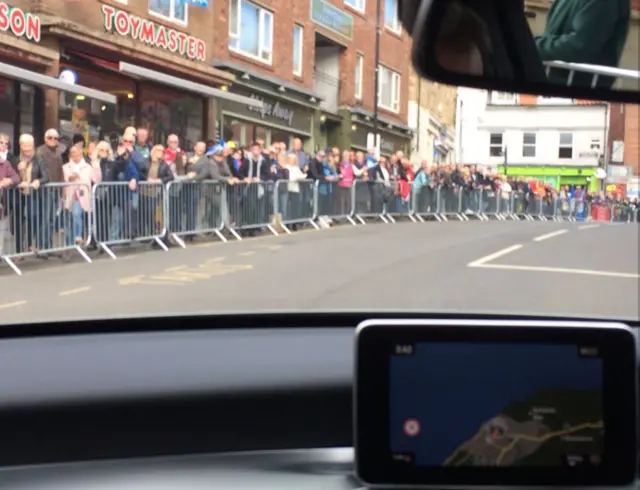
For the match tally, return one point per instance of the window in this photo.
(391, 20)
(297, 49)
(503, 98)
(355, 4)
(495, 145)
(175, 10)
(595, 144)
(251, 30)
(529, 145)
(388, 89)
(565, 149)
(358, 81)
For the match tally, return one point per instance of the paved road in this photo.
(525, 267)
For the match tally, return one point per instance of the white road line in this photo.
(12, 305)
(488, 258)
(550, 235)
(74, 291)
(560, 270)
(588, 227)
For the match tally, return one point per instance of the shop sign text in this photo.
(148, 32)
(275, 110)
(330, 17)
(387, 145)
(19, 23)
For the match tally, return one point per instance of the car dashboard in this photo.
(227, 401)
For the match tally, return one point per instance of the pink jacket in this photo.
(88, 175)
(347, 175)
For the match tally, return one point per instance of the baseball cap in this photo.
(215, 150)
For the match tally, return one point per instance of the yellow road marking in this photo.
(74, 291)
(182, 274)
(12, 305)
(135, 280)
(246, 254)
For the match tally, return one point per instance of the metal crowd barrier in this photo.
(60, 219)
(44, 221)
(124, 213)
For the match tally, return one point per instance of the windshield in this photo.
(291, 159)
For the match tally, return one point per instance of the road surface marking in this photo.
(136, 280)
(182, 274)
(246, 254)
(560, 270)
(588, 227)
(488, 258)
(271, 247)
(550, 235)
(15, 304)
(74, 291)
(206, 245)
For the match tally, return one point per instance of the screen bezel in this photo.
(374, 340)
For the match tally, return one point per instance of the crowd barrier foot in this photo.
(13, 266)
(107, 250)
(83, 254)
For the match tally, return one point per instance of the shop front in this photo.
(277, 120)
(159, 76)
(555, 176)
(26, 68)
(392, 139)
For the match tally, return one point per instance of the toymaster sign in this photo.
(148, 32)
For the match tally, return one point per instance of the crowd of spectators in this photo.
(46, 191)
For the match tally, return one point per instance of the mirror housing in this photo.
(489, 45)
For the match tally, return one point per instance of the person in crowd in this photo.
(255, 168)
(9, 177)
(51, 155)
(143, 145)
(77, 196)
(296, 202)
(346, 177)
(130, 165)
(104, 159)
(155, 176)
(197, 170)
(585, 31)
(77, 141)
(27, 222)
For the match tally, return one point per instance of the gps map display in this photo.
(496, 405)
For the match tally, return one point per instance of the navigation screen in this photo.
(496, 405)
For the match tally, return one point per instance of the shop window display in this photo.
(164, 111)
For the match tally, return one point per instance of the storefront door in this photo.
(21, 108)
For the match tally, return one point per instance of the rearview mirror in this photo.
(584, 49)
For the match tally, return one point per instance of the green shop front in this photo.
(288, 112)
(554, 175)
(394, 136)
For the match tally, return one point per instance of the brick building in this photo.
(312, 63)
(94, 68)
(432, 113)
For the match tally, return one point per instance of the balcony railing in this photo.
(328, 87)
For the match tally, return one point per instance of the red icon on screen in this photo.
(411, 427)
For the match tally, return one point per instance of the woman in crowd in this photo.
(77, 197)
